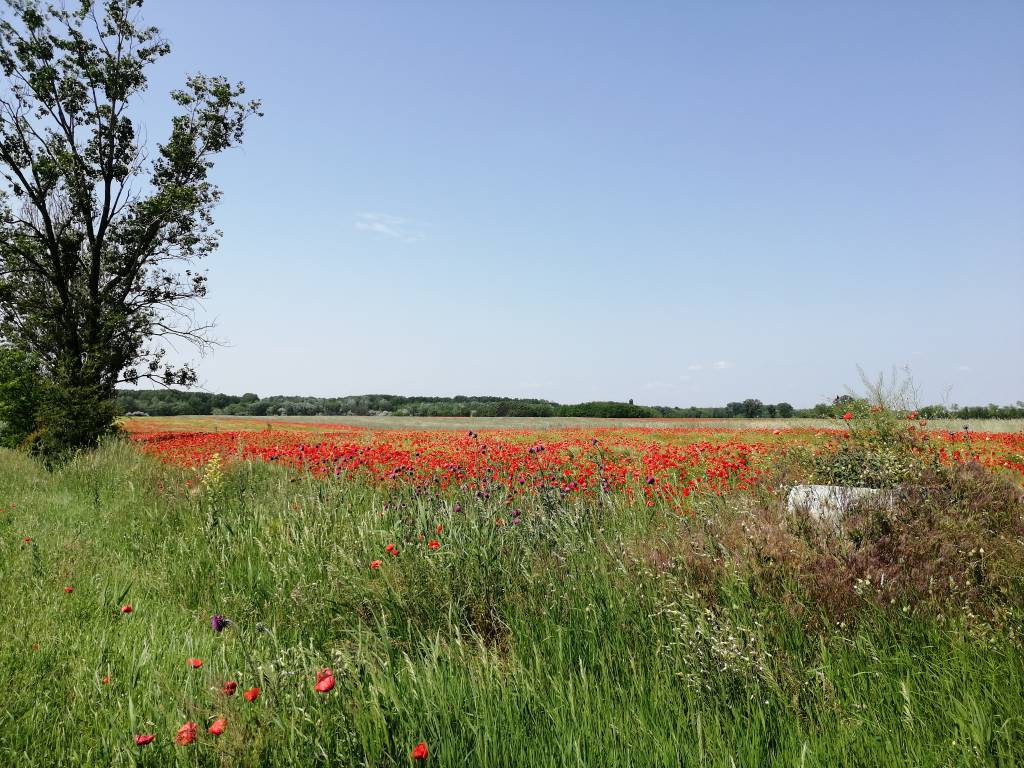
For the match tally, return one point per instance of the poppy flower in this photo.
(106, 679)
(229, 688)
(847, 416)
(144, 739)
(440, 528)
(434, 544)
(69, 589)
(218, 726)
(218, 622)
(126, 609)
(420, 751)
(252, 694)
(390, 548)
(186, 734)
(195, 663)
(375, 564)
(324, 681)
(27, 539)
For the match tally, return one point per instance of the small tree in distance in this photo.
(97, 238)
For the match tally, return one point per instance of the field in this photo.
(506, 594)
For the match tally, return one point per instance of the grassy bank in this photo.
(583, 634)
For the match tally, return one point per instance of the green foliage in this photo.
(71, 418)
(20, 397)
(98, 237)
(882, 446)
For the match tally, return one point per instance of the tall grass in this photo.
(578, 636)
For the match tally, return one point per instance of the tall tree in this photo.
(98, 238)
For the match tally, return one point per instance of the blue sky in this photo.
(679, 203)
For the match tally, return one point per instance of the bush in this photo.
(20, 396)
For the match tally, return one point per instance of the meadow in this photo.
(298, 592)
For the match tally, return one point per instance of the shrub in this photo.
(20, 396)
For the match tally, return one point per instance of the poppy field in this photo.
(653, 464)
(244, 592)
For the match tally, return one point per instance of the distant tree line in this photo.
(173, 402)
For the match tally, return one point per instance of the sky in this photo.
(676, 202)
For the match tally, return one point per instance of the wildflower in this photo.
(457, 509)
(229, 688)
(186, 734)
(390, 548)
(420, 751)
(195, 663)
(69, 589)
(106, 679)
(440, 528)
(126, 609)
(27, 539)
(375, 564)
(847, 416)
(324, 680)
(218, 726)
(252, 694)
(144, 739)
(218, 622)
(434, 544)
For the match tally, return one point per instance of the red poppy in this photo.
(440, 528)
(106, 679)
(848, 415)
(420, 751)
(69, 589)
(252, 694)
(27, 539)
(324, 682)
(126, 609)
(375, 564)
(144, 739)
(229, 688)
(434, 544)
(195, 663)
(186, 734)
(390, 548)
(218, 726)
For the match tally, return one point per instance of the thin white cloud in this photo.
(657, 385)
(390, 226)
(717, 365)
(964, 368)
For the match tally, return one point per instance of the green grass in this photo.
(563, 641)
